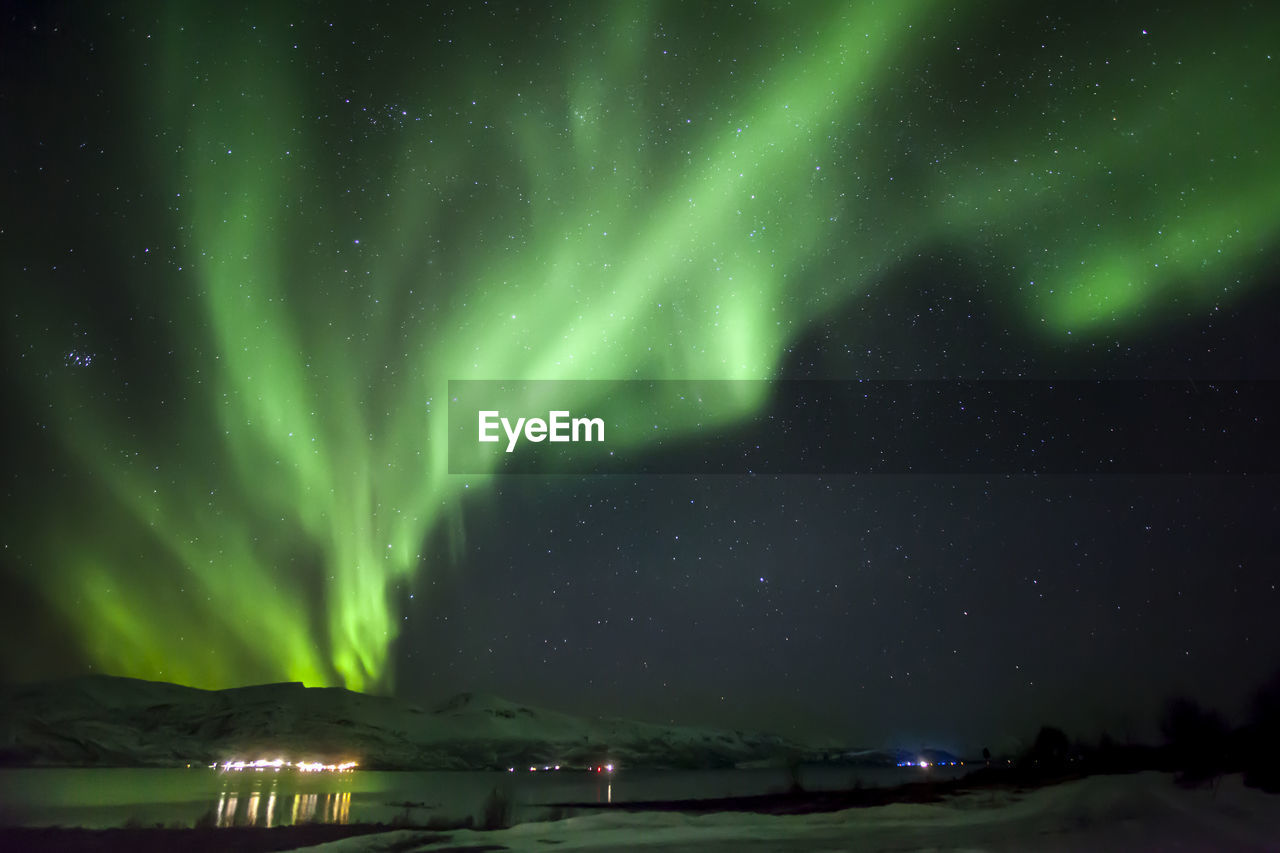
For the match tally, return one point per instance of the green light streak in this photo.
(1154, 184)
(588, 224)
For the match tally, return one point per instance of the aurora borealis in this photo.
(246, 248)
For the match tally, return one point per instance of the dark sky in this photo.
(245, 249)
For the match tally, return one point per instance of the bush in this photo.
(496, 811)
(1050, 751)
(1197, 741)
(1260, 745)
(794, 785)
(556, 813)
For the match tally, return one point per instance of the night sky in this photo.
(245, 248)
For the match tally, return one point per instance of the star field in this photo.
(246, 248)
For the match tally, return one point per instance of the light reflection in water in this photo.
(304, 807)
(260, 808)
(229, 817)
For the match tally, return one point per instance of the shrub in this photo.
(1197, 741)
(1049, 752)
(1261, 742)
(794, 785)
(496, 811)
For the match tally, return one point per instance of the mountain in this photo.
(109, 721)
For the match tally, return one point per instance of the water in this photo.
(99, 798)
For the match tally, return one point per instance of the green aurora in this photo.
(603, 193)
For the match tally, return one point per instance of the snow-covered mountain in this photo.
(108, 721)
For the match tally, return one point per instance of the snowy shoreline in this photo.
(1142, 811)
(1138, 811)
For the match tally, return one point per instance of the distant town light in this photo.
(302, 766)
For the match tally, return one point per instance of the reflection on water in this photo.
(603, 792)
(101, 797)
(334, 807)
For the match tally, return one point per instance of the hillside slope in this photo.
(108, 721)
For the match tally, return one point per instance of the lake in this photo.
(99, 798)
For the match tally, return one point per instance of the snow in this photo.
(1143, 811)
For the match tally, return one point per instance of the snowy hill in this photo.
(107, 721)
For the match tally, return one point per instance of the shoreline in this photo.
(803, 801)
(161, 839)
